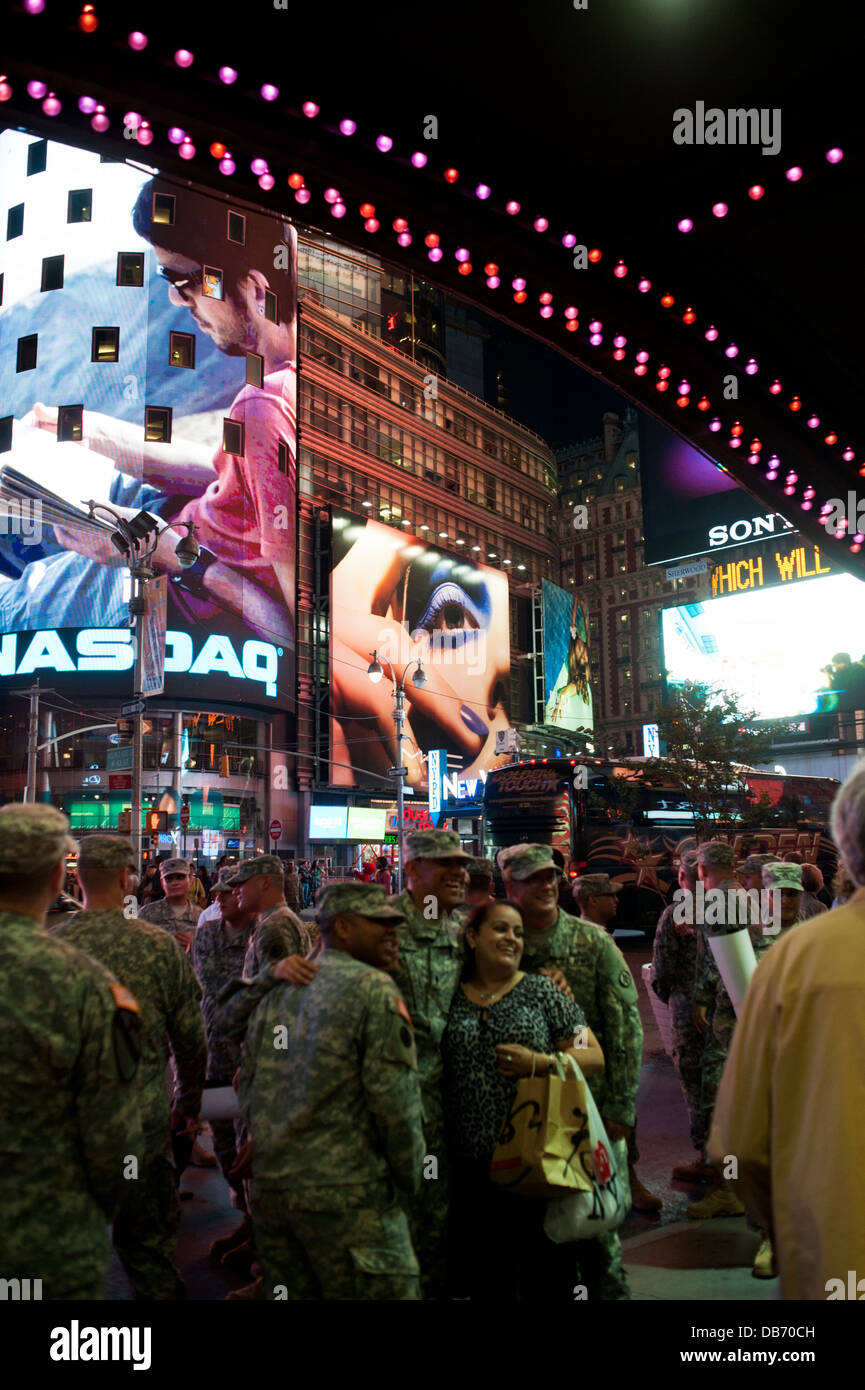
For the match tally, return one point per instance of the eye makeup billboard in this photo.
(566, 659)
(147, 362)
(395, 594)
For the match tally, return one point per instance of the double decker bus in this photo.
(620, 819)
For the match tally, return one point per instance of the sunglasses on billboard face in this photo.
(186, 282)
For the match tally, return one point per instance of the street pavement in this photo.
(667, 1257)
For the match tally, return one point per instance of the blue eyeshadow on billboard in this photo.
(567, 686)
(63, 594)
(786, 651)
(366, 823)
(328, 822)
(690, 505)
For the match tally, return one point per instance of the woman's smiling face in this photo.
(498, 941)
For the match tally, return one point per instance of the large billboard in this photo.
(791, 650)
(692, 506)
(148, 360)
(395, 594)
(567, 686)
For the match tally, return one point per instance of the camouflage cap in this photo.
(105, 852)
(175, 866)
(715, 854)
(521, 861)
(251, 868)
(357, 899)
(481, 868)
(433, 844)
(593, 885)
(223, 882)
(689, 862)
(783, 875)
(33, 837)
(754, 863)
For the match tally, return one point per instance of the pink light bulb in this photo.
(227, 75)
(546, 311)
(176, 135)
(735, 442)
(619, 341)
(331, 195)
(302, 195)
(6, 91)
(493, 282)
(641, 370)
(684, 388)
(186, 150)
(51, 106)
(266, 182)
(132, 119)
(370, 225)
(145, 135)
(806, 506)
(347, 126)
(518, 284)
(404, 238)
(813, 421)
(310, 110)
(269, 92)
(183, 58)
(715, 425)
(462, 254)
(719, 209)
(751, 366)
(100, 121)
(258, 166)
(685, 225)
(596, 339)
(512, 207)
(835, 155)
(642, 355)
(572, 312)
(435, 253)
(595, 326)
(731, 351)
(619, 354)
(137, 41)
(776, 388)
(620, 270)
(794, 174)
(419, 159)
(540, 224)
(848, 455)
(569, 240)
(772, 475)
(483, 191)
(34, 6)
(753, 458)
(36, 90)
(644, 285)
(87, 105)
(227, 165)
(384, 143)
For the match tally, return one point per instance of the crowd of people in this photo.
(356, 1064)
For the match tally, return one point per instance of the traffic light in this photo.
(154, 821)
(224, 769)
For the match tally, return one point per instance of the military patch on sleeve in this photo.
(123, 999)
(625, 979)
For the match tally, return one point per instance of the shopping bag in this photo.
(543, 1147)
(581, 1215)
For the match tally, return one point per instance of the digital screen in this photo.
(789, 650)
(393, 593)
(122, 305)
(328, 822)
(366, 823)
(566, 659)
(690, 505)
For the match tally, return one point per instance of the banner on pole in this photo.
(153, 636)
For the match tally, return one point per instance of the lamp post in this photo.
(375, 673)
(137, 538)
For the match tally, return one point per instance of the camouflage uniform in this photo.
(162, 914)
(276, 934)
(157, 971)
(335, 1117)
(674, 957)
(70, 1100)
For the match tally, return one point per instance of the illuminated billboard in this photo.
(328, 822)
(147, 359)
(393, 593)
(790, 650)
(366, 823)
(690, 505)
(567, 687)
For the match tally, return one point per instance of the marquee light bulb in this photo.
(512, 207)
(347, 126)
(227, 76)
(310, 110)
(418, 159)
(384, 143)
(183, 58)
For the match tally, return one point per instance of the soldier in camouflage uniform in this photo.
(69, 1050)
(674, 957)
(329, 1090)
(604, 988)
(278, 931)
(152, 965)
(174, 913)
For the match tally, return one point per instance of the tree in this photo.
(710, 742)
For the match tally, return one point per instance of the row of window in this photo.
(157, 430)
(105, 347)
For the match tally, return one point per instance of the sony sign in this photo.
(110, 649)
(737, 532)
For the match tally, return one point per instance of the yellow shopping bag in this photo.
(544, 1148)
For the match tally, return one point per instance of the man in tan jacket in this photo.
(792, 1097)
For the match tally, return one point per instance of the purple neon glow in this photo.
(347, 126)
(619, 341)
(227, 165)
(859, 538)
(772, 475)
(310, 109)
(684, 388)
(834, 155)
(685, 224)
(794, 174)
(715, 425)
(331, 195)
(642, 355)
(596, 339)
(753, 458)
(571, 312)
(302, 195)
(735, 442)
(518, 284)
(418, 159)
(731, 351)
(258, 166)
(644, 285)
(595, 326)
(137, 41)
(269, 92)
(493, 282)
(848, 455)
(87, 105)
(384, 143)
(751, 366)
(404, 238)
(540, 224)
(175, 135)
(36, 90)
(227, 75)
(183, 58)
(569, 240)
(100, 121)
(266, 182)
(483, 191)
(34, 6)
(462, 254)
(186, 150)
(546, 311)
(813, 421)
(711, 334)
(435, 253)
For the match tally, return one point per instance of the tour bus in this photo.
(576, 806)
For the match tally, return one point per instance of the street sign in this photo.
(184, 815)
(133, 707)
(688, 570)
(397, 772)
(276, 830)
(120, 781)
(118, 759)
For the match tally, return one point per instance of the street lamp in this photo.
(375, 674)
(137, 538)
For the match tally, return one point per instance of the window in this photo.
(157, 424)
(271, 307)
(237, 228)
(52, 273)
(15, 222)
(181, 352)
(130, 268)
(27, 349)
(37, 157)
(163, 208)
(105, 345)
(254, 369)
(232, 437)
(283, 458)
(79, 205)
(212, 287)
(70, 424)
(6, 434)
